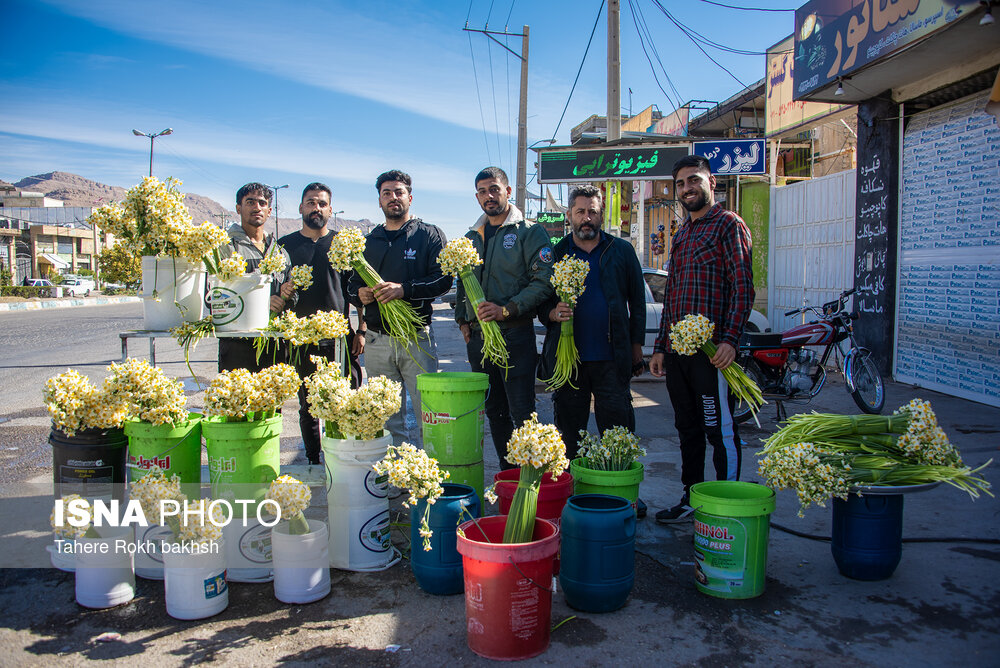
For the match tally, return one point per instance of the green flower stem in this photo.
(521, 520)
(567, 358)
(494, 346)
(743, 387)
(298, 525)
(401, 320)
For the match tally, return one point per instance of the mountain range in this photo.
(75, 190)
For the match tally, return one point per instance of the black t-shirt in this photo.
(488, 231)
(328, 289)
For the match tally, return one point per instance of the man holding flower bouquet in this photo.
(248, 239)
(403, 251)
(710, 275)
(609, 324)
(517, 265)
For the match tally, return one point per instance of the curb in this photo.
(66, 303)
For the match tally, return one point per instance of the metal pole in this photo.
(614, 72)
(151, 140)
(522, 126)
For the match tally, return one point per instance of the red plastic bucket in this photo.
(508, 596)
(552, 494)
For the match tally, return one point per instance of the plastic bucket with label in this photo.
(439, 570)
(175, 449)
(173, 291)
(248, 548)
(358, 504)
(243, 457)
(195, 582)
(731, 525)
(301, 563)
(90, 463)
(240, 305)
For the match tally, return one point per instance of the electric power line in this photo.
(638, 18)
(493, 94)
(684, 29)
(746, 9)
(582, 61)
(482, 116)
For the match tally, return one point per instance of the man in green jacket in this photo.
(517, 266)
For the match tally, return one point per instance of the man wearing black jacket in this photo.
(328, 292)
(609, 324)
(404, 252)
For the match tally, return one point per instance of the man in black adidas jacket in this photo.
(404, 252)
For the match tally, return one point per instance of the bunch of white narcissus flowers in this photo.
(539, 446)
(568, 276)
(194, 242)
(924, 441)
(457, 255)
(273, 263)
(232, 267)
(151, 396)
(74, 403)
(292, 497)
(152, 489)
(346, 248)
(311, 330)
(410, 468)
(688, 335)
(815, 476)
(230, 394)
(302, 277)
(615, 450)
(275, 385)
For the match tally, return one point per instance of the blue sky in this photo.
(334, 91)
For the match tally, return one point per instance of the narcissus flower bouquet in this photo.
(292, 497)
(411, 469)
(458, 258)
(241, 396)
(694, 334)
(825, 455)
(568, 276)
(76, 404)
(347, 251)
(360, 414)
(306, 331)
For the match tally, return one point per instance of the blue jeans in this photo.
(511, 396)
(386, 357)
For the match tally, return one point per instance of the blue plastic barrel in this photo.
(439, 571)
(867, 540)
(598, 552)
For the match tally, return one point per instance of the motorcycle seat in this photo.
(756, 340)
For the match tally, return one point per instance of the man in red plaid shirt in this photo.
(711, 275)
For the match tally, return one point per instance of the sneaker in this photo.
(640, 509)
(682, 512)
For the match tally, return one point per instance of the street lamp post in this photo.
(275, 190)
(152, 138)
(336, 221)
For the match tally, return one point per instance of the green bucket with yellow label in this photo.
(243, 457)
(731, 526)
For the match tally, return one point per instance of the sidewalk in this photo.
(66, 302)
(940, 608)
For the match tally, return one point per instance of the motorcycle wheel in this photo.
(742, 412)
(869, 391)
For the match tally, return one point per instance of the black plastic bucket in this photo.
(90, 463)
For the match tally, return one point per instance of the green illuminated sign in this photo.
(551, 218)
(609, 164)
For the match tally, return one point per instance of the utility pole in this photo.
(614, 72)
(522, 116)
(223, 218)
(275, 190)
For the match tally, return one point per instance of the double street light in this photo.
(152, 138)
(275, 190)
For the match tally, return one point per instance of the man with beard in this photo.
(711, 275)
(328, 292)
(253, 204)
(517, 266)
(609, 324)
(404, 251)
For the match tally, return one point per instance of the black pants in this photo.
(612, 403)
(703, 409)
(511, 397)
(239, 353)
(308, 425)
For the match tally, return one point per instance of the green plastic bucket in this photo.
(243, 457)
(453, 421)
(731, 524)
(175, 449)
(613, 483)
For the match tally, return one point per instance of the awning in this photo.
(54, 260)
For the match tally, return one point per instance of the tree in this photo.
(118, 265)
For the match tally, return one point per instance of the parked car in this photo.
(39, 283)
(78, 286)
(656, 286)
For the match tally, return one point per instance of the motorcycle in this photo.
(788, 372)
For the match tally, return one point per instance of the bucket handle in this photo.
(172, 447)
(458, 417)
(514, 564)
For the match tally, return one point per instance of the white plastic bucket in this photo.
(104, 574)
(172, 280)
(63, 559)
(248, 549)
(358, 504)
(240, 305)
(301, 563)
(148, 550)
(195, 584)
